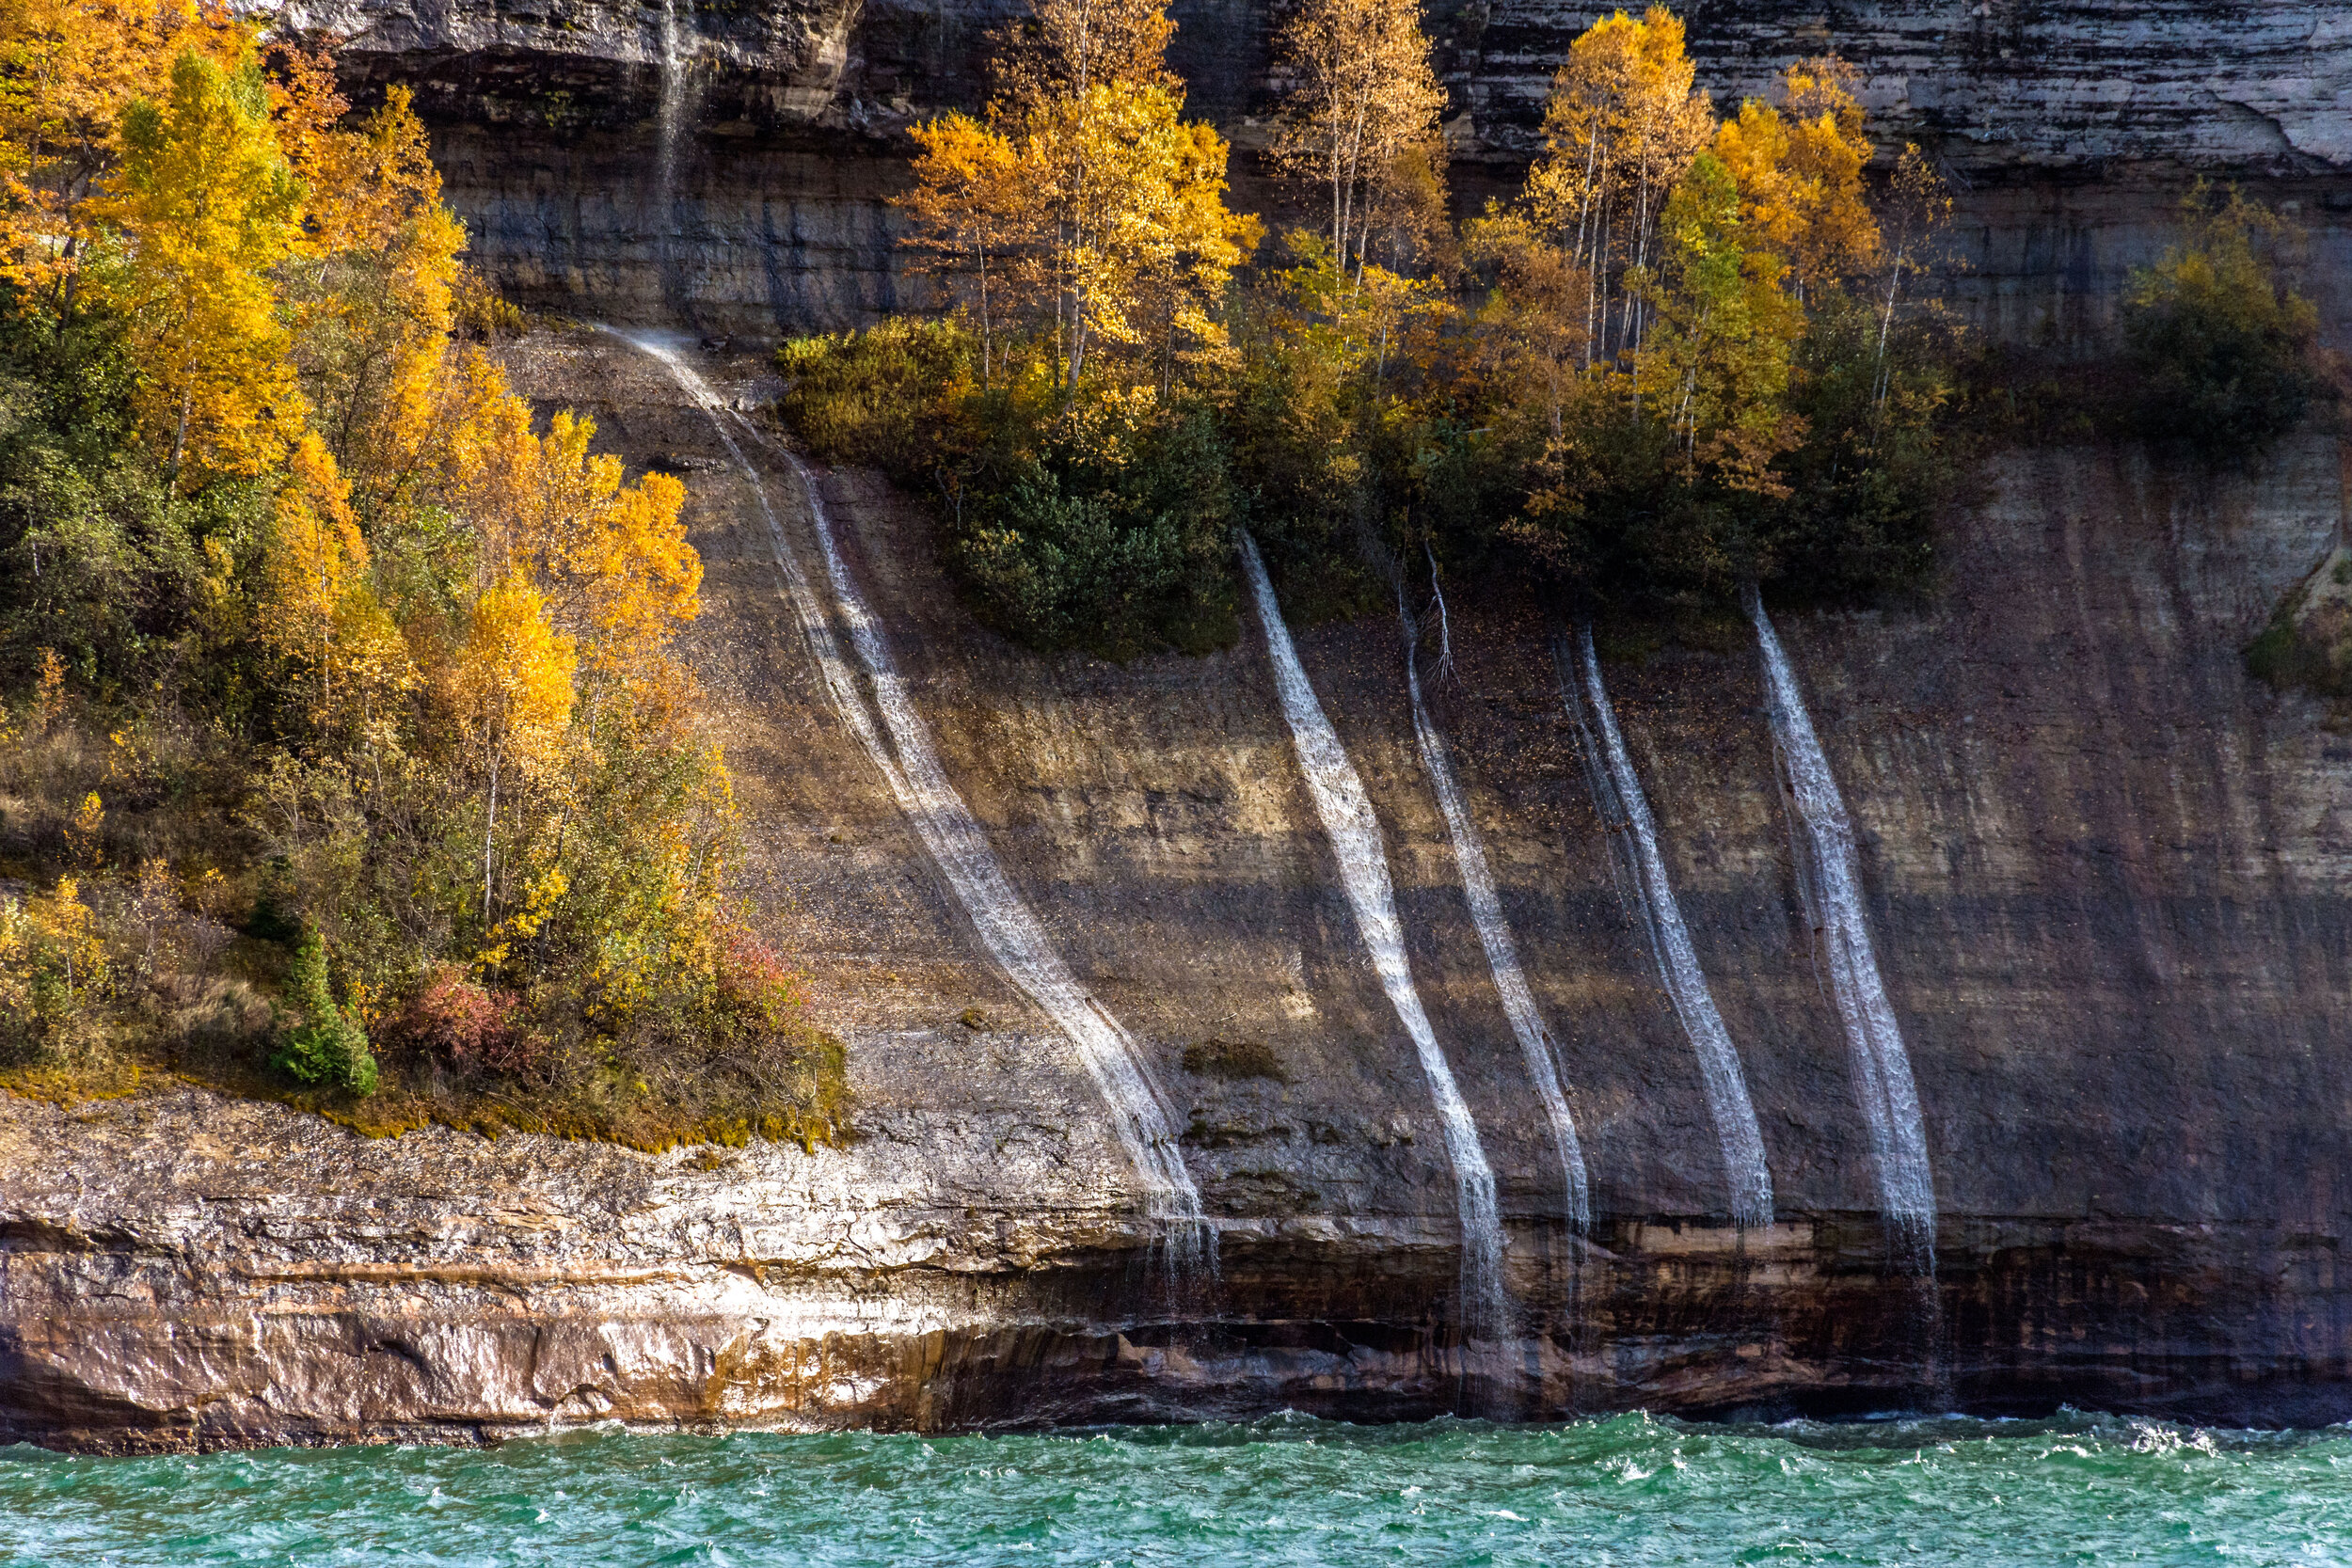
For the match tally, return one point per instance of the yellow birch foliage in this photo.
(1084, 204)
(511, 683)
(85, 832)
(610, 557)
(1534, 328)
(1142, 194)
(1360, 121)
(52, 959)
(1623, 122)
(48, 695)
(19, 948)
(1716, 364)
(972, 218)
(1800, 175)
(512, 678)
(1827, 149)
(1062, 48)
(68, 69)
(375, 284)
(318, 609)
(641, 579)
(315, 550)
(206, 207)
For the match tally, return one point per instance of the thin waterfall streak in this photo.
(1494, 935)
(1009, 929)
(1356, 843)
(1624, 874)
(840, 686)
(672, 113)
(1678, 970)
(1830, 875)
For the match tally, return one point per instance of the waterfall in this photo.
(1014, 937)
(673, 114)
(1494, 934)
(840, 686)
(1355, 840)
(1832, 882)
(1624, 810)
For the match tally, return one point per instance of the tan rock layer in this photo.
(2106, 871)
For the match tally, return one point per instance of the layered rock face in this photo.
(2104, 870)
(2068, 130)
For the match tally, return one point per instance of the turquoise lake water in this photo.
(1631, 1490)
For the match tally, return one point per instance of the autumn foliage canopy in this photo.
(1687, 356)
(417, 642)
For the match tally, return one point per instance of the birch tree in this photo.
(1623, 124)
(1716, 365)
(1084, 205)
(206, 207)
(1360, 121)
(972, 218)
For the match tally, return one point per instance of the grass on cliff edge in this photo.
(406, 1103)
(115, 981)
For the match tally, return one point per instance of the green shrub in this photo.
(2307, 644)
(98, 560)
(328, 1048)
(878, 398)
(1094, 520)
(2219, 345)
(1119, 554)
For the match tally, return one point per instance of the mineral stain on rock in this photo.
(2104, 864)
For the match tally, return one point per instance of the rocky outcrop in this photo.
(2052, 119)
(1996, 88)
(2106, 871)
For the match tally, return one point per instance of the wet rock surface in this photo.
(2105, 869)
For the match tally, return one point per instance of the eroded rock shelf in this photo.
(2105, 872)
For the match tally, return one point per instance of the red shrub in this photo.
(755, 985)
(469, 1024)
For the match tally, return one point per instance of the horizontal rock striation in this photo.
(1998, 88)
(221, 1275)
(2105, 871)
(2053, 120)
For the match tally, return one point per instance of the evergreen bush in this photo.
(328, 1048)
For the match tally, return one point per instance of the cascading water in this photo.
(1832, 880)
(1355, 840)
(1010, 931)
(1624, 810)
(1494, 934)
(669, 127)
(840, 685)
(1008, 928)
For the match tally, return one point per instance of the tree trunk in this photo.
(488, 830)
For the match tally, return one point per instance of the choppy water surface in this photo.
(2077, 1489)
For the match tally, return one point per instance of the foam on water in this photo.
(1346, 811)
(1010, 933)
(1624, 810)
(1832, 880)
(1494, 934)
(1934, 1493)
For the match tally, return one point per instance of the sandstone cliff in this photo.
(2066, 128)
(2105, 869)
